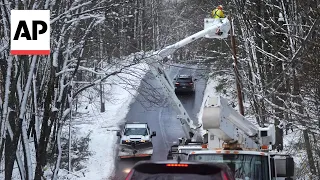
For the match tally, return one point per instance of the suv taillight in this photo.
(177, 83)
(177, 165)
(129, 175)
(224, 176)
(190, 83)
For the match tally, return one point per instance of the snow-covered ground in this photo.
(103, 126)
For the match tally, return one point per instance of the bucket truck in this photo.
(234, 140)
(229, 137)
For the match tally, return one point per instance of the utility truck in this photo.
(225, 135)
(234, 140)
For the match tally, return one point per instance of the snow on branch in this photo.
(288, 110)
(269, 54)
(102, 79)
(68, 11)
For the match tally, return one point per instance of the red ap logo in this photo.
(30, 32)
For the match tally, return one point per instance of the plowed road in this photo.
(162, 119)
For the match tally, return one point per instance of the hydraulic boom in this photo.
(189, 127)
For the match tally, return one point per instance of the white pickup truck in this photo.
(135, 141)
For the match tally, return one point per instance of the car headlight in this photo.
(125, 141)
(144, 140)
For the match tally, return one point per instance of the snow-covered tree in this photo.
(90, 42)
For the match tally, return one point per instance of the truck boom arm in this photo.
(189, 127)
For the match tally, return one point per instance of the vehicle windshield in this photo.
(184, 80)
(135, 131)
(244, 167)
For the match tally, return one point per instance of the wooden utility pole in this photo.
(234, 52)
(70, 133)
(102, 100)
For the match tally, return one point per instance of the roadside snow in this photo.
(103, 126)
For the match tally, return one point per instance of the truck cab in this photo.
(249, 165)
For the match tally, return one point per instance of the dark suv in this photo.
(185, 83)
(185, 170)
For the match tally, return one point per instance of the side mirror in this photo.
(175, 79)
(195, 79)
(153, 134)
(284, 167)
(289, 167)
(118, 133)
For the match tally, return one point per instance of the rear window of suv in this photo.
(184, 80)
(189, 172)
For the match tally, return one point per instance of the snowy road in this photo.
(163, 119)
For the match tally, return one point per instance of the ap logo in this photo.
(30, 32)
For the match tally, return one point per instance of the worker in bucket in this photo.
(218, 14)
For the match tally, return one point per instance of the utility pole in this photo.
(234, 52)
(102, 104)
(102, 109)
(102, 101)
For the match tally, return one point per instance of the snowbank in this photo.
(103, 125)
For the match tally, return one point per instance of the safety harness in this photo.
(215, 13)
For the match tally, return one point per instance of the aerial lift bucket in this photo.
(223, 26)
(135, 150)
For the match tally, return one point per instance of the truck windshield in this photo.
(135, 131)
(244, 167)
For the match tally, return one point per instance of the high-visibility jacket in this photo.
(217, 13)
